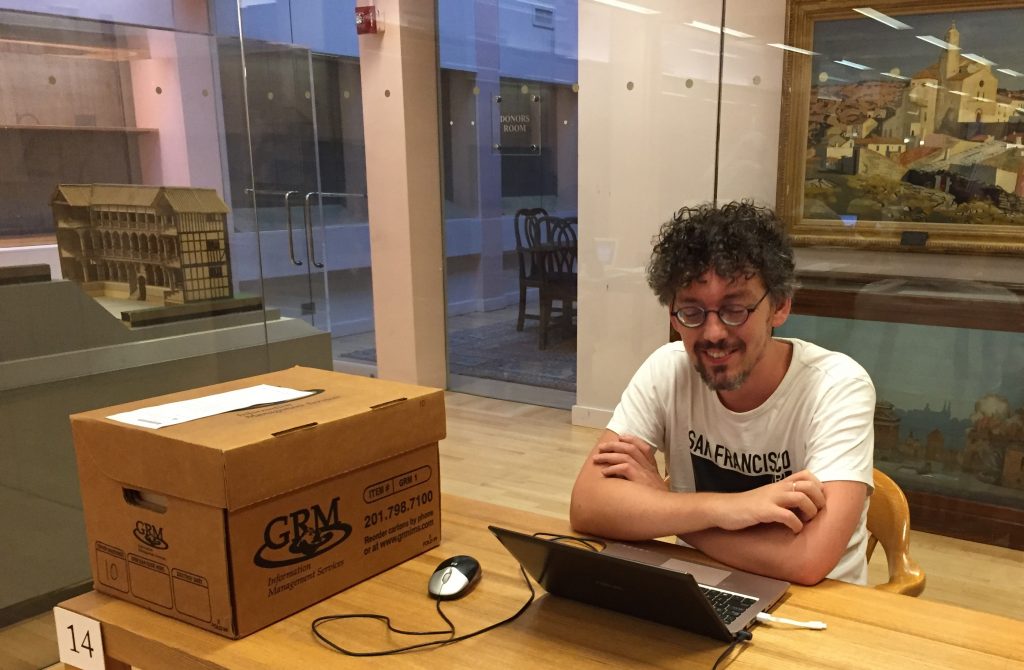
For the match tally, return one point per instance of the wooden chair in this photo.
(547, 248)
(889, 525)
(558, 276)
(527, 235)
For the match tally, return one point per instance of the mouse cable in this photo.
(319, 621)
(740, 636)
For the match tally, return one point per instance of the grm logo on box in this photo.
(150, 534)
(301, 535)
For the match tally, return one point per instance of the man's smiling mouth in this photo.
(719, 353)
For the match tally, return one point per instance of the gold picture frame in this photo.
(861, 163)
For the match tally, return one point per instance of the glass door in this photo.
(508, 89)
(299, 175)
(285, 198)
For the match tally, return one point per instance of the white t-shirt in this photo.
(821, 417)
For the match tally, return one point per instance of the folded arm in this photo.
(620, 494)
(773, 550)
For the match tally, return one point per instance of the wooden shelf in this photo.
(15, 241)
(953, 303)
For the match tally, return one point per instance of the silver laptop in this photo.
(649, 580)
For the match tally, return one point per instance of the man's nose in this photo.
(714, 329)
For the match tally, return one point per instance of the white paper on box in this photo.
(199, 408)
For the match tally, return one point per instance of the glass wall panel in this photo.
(508, 125)
(895, 162)
(649, 101)
(304, 134)
(128, 267)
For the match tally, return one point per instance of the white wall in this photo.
(173, 90)
(647, 114)
(32, 255)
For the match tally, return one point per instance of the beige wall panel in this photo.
(647, 115)
(399, 82)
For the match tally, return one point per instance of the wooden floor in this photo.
(526, 456)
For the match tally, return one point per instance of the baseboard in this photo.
(591, 417)
(40, 604)
(351, 327)
(531, 395)
(501, 301)
(483, 304)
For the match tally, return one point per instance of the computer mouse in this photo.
(454, 577)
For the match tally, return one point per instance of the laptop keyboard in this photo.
(726, 604)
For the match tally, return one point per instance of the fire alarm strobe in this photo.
(368, 20)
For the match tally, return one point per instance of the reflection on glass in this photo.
(948, 421)
(295, 151)
(124, 140)
(86, 103)
(69, 115)
(508, 127)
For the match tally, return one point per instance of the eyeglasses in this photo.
(692, 316)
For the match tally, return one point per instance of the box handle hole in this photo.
(286, 431)
(154, 502)
(389, 403)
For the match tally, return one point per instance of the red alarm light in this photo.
(368, 20)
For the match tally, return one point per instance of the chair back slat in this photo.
(546, 247)
(561, 243)
(528, 236)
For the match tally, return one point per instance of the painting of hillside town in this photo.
(980, 457)
(919, 122)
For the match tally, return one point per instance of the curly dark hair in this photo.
(735, 239)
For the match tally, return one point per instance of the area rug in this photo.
(502, 353)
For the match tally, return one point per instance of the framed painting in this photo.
(903, 125)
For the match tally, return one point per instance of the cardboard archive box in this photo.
(237, 520)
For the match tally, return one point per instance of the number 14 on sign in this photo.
(79, 640)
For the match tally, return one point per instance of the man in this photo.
(767, 441)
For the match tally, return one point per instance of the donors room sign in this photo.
(516, 121)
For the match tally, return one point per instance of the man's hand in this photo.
(629, 457)
(793, 501)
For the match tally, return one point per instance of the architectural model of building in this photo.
(161, 244)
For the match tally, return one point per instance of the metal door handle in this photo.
(288, 214)
(309, 230)
(306, 217)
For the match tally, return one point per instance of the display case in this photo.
(901, 175)
(122, 272)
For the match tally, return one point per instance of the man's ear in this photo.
(782, 312)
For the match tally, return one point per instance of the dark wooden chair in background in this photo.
(527, 236)
(547, 248)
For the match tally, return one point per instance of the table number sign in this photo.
(79, 640)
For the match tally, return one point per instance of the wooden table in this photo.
(866, 628)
